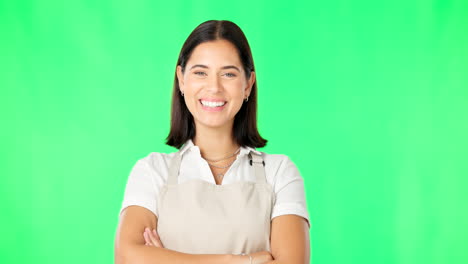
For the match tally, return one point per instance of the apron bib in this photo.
(198, 217)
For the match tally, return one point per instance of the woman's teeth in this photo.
(212, 104)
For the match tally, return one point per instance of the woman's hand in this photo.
(261, 257)
(152, 238)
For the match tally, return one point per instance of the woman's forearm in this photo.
(282, 261)
(140, 254)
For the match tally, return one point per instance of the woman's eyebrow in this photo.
(224, 67)
(230, 67)
(199, 65)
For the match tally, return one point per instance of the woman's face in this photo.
(214, 83)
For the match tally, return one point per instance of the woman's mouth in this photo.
(213, 106)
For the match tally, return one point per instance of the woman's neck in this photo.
(215, 143)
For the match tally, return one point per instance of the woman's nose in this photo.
(214, 83)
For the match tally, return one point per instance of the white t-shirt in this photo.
(150, 173)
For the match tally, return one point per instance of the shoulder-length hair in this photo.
(245, 130)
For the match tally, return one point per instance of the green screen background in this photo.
(368, 98)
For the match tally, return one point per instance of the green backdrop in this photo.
(368, 98)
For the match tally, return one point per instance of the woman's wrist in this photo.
(241, 259)
(248, 256)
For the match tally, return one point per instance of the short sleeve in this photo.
(141, 188)
(290, 192)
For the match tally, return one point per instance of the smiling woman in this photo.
(214, 87)
(217, 199)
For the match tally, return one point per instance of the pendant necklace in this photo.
(219, 175)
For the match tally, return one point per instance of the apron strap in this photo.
(257, 167)
(256, 163)
(174, 168)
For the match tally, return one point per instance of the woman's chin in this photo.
(214, 123)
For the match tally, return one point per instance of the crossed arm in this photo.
(289, 243)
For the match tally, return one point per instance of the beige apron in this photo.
(198, 217)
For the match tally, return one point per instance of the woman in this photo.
(217, 199)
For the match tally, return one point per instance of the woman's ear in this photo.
(180, 77)
(250, 83)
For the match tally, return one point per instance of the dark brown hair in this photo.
(245, 130)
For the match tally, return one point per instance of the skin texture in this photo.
(137, 240)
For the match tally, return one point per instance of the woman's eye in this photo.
(230, 74)
(199, 73)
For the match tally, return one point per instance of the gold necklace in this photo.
(219, 175)
(237, 151)
(223, 167)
